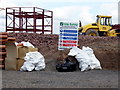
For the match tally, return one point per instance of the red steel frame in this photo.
(29, 19)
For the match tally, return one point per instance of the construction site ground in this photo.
(54, 79)
(106, 49)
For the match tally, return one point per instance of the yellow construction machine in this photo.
(102, 27)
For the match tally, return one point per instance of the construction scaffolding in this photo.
(29, 19)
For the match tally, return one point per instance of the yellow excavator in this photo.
(102, 27)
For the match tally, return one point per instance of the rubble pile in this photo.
(105, 48)
(116, 26)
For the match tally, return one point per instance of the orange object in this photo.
(11, 39)
(2, 46)
(3, 36)
(20, 44)
(3, 33)
(2, 66)
(3, 53)
(1, 59)
(78, 46)
(3, 40)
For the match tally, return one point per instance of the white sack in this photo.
(16, 43)
(74, 51)
(33, 60)
(86, 58)
(82, 58)
(95, 64)
(27, 44)
(27, 66)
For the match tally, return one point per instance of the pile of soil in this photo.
(106, 49)
(116, 26)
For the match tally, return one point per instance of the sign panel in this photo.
(68, 36)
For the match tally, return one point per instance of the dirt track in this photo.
(54, 79)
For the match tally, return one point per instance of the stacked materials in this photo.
(3, 40)
(12, 55)
(16, 53)
(3, 54)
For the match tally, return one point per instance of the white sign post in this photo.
(68, 36)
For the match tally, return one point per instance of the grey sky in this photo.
(67, 10)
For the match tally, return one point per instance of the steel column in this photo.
(6, 19)
(13, 20)
(34, 22)
(51, 22)
(43, 22)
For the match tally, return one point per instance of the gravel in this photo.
(54, 79)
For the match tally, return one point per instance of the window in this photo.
(102, 21)
(97, 20)
(106, 21)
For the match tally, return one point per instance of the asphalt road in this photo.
(54, 79)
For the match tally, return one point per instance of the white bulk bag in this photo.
(82, 58)
(95, 64)
(33, 60)
(86, 58)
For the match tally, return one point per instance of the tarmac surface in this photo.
(54, 79)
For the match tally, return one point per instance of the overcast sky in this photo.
(67, 10)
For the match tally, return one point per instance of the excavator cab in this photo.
(104, 23)
(104, 20)
(101, 27)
